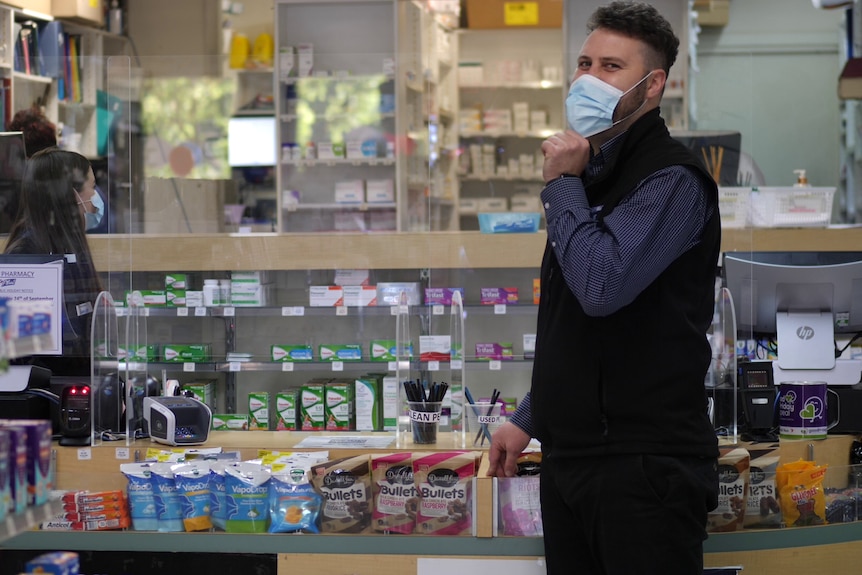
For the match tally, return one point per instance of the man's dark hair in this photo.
(643, 22)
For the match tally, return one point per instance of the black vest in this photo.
(633, 381)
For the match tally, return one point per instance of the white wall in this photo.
(772, 74)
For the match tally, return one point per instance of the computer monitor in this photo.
(12, 160)
(251, 141)
(719, 150)
(803, 298)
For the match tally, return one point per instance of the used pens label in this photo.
(488, 419)
(425, 416)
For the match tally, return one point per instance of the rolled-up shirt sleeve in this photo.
(523, 416)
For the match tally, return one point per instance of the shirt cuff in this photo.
(563, 194)
(523, 416)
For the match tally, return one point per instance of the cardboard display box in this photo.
(41, 6)
(203, 201)
(85, 11)
(489, 14)
(712, 12)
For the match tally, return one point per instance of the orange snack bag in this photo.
(800, 493)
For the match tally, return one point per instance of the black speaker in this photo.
(848, 410)
(75, 415)
(137, 389)
(759, 416)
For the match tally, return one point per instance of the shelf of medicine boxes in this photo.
(515, 364)
(405, 250)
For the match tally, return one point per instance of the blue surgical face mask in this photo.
(591, 103)
(94, 219)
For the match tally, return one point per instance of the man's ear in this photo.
(656, 82)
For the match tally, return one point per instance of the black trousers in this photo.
(626, 514)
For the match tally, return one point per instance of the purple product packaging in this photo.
(441, 296)
(6, 504)
(494, 351)
(4, 317)
(503, 295)
(17, 467)
(39, 480)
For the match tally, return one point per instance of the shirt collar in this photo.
(606, 155)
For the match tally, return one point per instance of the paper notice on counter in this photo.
(23, 279)
(434, 566)
(347, 442)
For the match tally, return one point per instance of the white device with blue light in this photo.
(177, 420)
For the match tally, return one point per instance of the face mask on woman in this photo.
(95, 218)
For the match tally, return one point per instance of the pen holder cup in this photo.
(424, 420)
(483, 419)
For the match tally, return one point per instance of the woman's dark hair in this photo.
(643, 22)
(39, 131)
(49, 217)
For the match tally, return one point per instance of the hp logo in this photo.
(804, 332)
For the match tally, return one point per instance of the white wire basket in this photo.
(775, 207)
(733, 206)
(791, 207)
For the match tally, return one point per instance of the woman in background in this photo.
(39, 131)
(57, 207)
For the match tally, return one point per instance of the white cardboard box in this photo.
(378, 191)
(325, 296)
(360, 296)
(350, 192)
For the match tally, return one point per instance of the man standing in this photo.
(617, 397)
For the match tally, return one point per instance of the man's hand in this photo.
(565, 153)
(507, 443)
